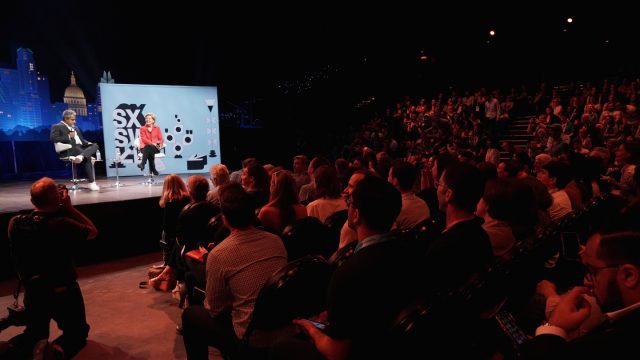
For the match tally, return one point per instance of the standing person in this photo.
(150, 142)
(81, 150)
(41, 248)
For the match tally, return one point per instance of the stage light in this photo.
(569, 20)
(492, 32)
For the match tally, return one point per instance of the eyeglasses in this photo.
(348, 199)
(593, 271)
(437, 183)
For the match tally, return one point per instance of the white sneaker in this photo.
(93, 186)
(78, 159)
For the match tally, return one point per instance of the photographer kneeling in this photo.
(41, 248)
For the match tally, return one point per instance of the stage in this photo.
(128, 217)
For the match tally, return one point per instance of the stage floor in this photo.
(14, 196)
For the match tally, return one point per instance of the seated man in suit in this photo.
(613, 278)
(81, 150)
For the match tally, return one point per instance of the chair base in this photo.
(151, 180)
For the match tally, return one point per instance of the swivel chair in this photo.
(61, 150)
(149, 175)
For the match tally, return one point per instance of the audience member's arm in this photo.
(330, 348)
(571, 312)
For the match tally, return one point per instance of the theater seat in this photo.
(334, 223)
(297, 290)
(307, 236)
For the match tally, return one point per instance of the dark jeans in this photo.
(65, 305)
(195, 275)
(200, 330)
(149, 153)
(87, 151)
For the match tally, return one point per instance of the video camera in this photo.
(16, 317)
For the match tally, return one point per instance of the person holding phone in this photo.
(150, 142)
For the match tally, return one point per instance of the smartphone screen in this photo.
(511, 328)
(319, 325)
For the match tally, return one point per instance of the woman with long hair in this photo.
(328, 194)
(173, 199)
(284, 207)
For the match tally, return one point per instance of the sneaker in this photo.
(155, 173)
(93, 186)
(78, 159)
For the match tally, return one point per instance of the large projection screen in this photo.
(187, 116)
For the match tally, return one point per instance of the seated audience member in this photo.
(549, 291)
(219, 175)
(369, 289)
(236, 176)
(192, 231)
(620, 176)
(283, 208)
(308, 191)
(613, 277)
(555, 175)
(403, 176)
(429, 194)
(463, 249)
(236, 270)
(300, 175)
(328, 199)
(506, 206)
(630, 214)
(255, 181)
(347, 234)
(173, 199)
(540, 161)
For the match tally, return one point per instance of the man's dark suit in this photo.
(610, 341)
(60, 133)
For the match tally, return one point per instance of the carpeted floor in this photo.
(127, 322)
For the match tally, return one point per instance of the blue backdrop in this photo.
(187, 115)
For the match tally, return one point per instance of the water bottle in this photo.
(98, 156)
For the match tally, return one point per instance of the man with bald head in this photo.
(41, 247)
